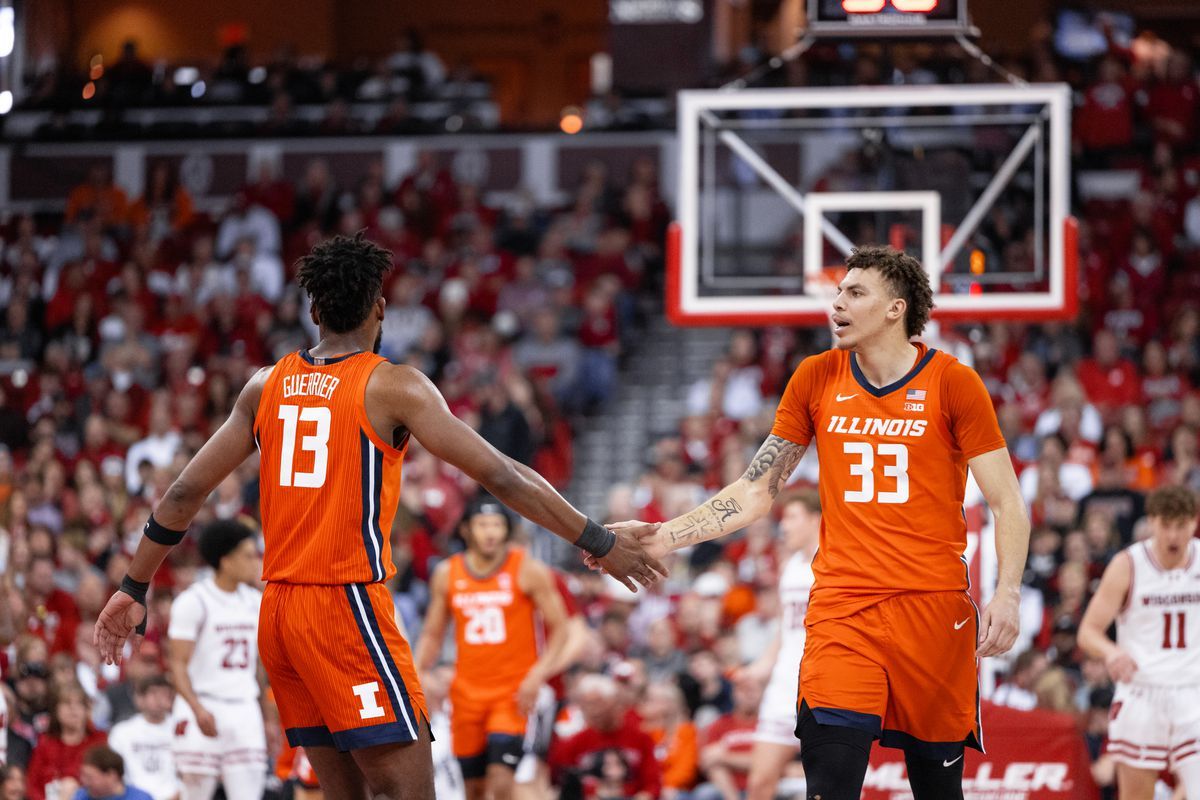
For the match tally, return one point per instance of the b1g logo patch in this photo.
(914, 406)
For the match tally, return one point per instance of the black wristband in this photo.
(160, 535)
(137, 590)
(596, 539)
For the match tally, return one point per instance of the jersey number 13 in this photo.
(317, 443)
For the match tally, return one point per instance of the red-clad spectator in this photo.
(1127, 316)
(1144, 269)
(1172, 103)
(178, 329)
(53, 614)
(428, 491)
(647, 217)
(58, 757)
(130, 286)
(1071, 585)
(1026, 387)
(598, 328)
(467, 214)
(97, 444)
(1146, 213)
(1105, 120)
(88, 274)
(1163, 390)
(609, 259)
(429, 185)
(271, 192)
(1095, 270)
(611, 751)
(228, 336)
(388, 232)
(726, 745)
(1109, 380)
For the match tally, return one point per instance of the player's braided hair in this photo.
(1171, 502)
(344, 277)
(906, 278)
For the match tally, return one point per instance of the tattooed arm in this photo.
(738, 504)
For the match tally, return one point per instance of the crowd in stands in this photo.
(129, 326)
(409, 91)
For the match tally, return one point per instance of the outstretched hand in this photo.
(117, 621)
(635, 556)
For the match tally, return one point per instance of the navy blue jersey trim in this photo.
(845, 718)
(891, 387)
(919, 747)
(316, 736)
(389, 676)
(325, 362)
(370, 498)
(371, 735)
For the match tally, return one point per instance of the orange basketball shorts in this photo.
(341, 672)
(903, 669)
(478, 712)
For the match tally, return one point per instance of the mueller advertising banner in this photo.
(1031, 755)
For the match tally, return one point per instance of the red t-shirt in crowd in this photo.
(1114, 385)
(736, 733)
(1106, 117)
(54, 759)
(1177, 103)
(585, 752)
(55, 621)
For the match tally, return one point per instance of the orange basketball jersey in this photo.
(329, 485)
(494, 626)
(893, 467)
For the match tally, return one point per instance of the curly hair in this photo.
(344, 277)
(906, 278)
(1171, 502)
(220, 538)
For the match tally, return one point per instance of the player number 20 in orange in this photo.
(893, 457)
(485, 626)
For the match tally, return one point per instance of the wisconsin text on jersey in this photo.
(1170, 599)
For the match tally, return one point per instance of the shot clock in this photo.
(887, 17)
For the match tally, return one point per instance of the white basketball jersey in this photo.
(146, 748)
(224, 626)
(795, 584)
(1160, 625)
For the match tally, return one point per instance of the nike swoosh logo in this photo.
(950, 763)
(842, 397)
(959, 625)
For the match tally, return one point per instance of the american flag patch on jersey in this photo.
(915, 394)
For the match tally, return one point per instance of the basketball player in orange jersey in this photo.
(331, 425)
(893, 637)
(494, 591)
